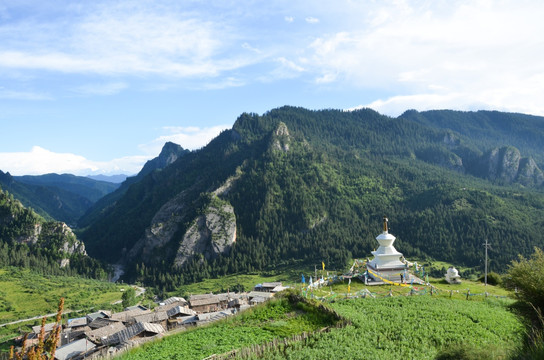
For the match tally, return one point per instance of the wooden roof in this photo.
(74, 349)
(101, 322)
(132, 331)
(156, 316)
(180, 310)
(173, 300)
(97, 335)
(128, 315)
(47, 328)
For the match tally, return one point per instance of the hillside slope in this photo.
(27, 240)
(313, 186)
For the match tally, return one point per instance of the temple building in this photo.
(387, 260)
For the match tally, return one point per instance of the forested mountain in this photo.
(312, 186)
(502, 147)
(61, 197)
(49, 247)
(169, 154)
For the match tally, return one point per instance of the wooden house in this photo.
(75, 349)
(138, 330)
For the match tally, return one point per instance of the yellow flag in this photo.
(349, 289)
(323, 264)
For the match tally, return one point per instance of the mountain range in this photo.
(63, 197)
(296, 185)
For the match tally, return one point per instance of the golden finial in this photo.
(385, 220)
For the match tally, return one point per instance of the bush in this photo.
(492, 278)
(525, 275)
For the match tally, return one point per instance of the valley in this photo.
(275, 198)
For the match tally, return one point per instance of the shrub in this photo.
(492, 278)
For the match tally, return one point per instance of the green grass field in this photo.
(278, 318)
(398, 327)
(25, 294)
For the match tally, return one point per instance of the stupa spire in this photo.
(385, 220)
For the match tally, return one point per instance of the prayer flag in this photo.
(323, 264)
(303, 279)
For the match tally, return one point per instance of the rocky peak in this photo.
(170, 153)
(282, 139)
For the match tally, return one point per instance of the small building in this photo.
(155, 317)
(213, 316)
(127, 316)
(138, 330)
(47, 328)
(74, 349)
(101, 322)
(101, 334)
(452, 276)
(208, 302)
(171, 303)
(100, 314)
(180, 311)
(76, 323)
(267, 286)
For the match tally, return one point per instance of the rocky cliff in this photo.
(506, 164)
(210, 235)
(19, 225)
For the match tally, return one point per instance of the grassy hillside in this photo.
(25, 294)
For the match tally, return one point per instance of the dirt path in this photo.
(34, 318)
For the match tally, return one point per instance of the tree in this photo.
(129, 297)
(525, 275)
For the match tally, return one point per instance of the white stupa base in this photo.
(392, 273)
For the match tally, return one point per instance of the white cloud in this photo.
(251, 48)
(191, 138)
(121, 38)
(289, 19)
(101, 88)
(22, 95)
(439, 54)
(42, 161)
(312, 20)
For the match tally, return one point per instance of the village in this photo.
(102, 333)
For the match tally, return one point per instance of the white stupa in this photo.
(387, 260)
(452, 276)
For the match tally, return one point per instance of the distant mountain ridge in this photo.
(312, 186)
(63, 197)
(116, 179)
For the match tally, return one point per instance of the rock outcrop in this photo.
(506, 164)
(19, 225)
(281, 139)
(211, 234)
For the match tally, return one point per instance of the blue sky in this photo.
(91, 87)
